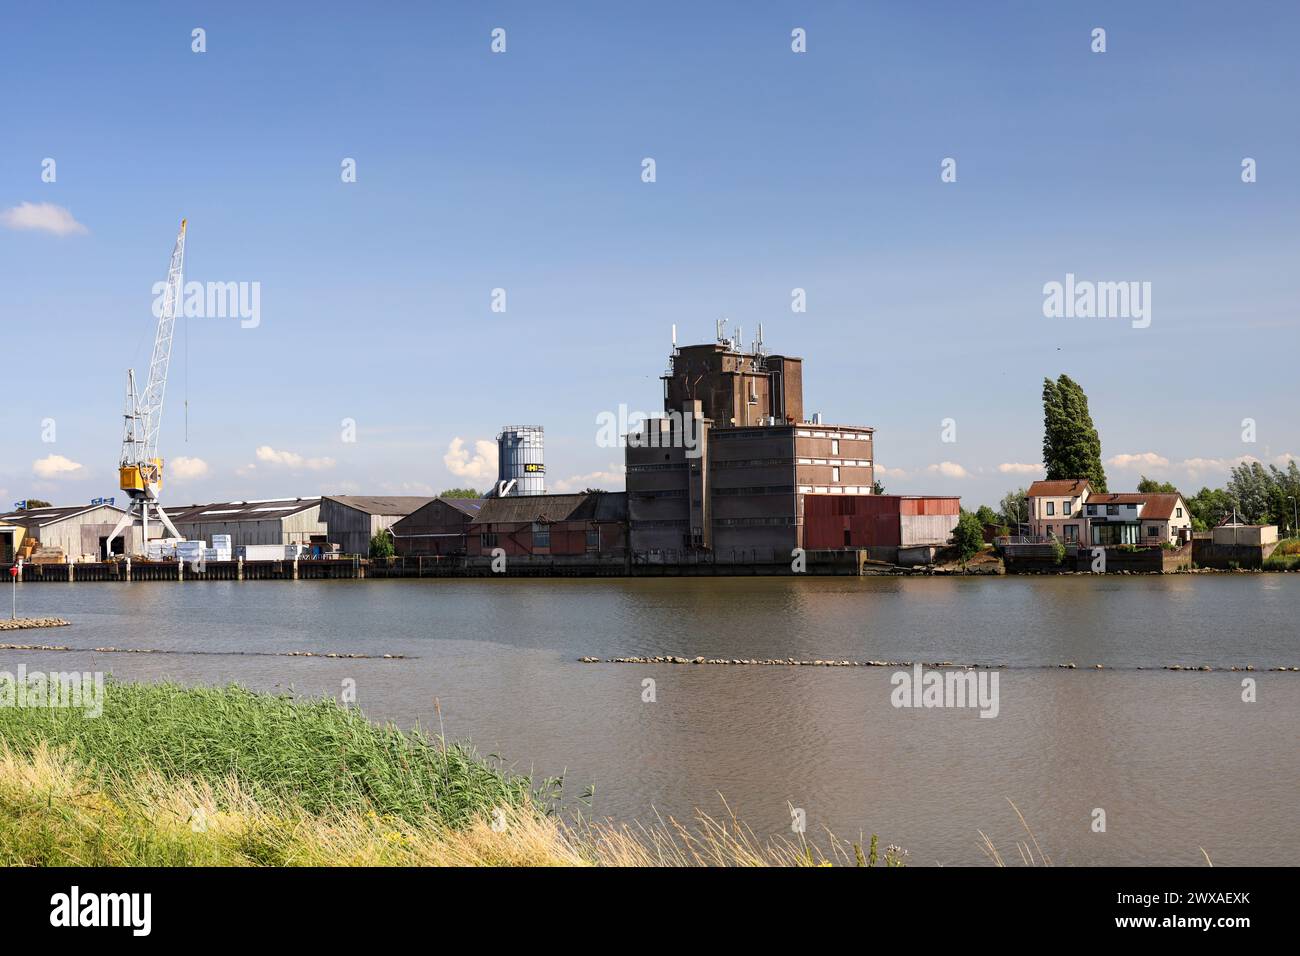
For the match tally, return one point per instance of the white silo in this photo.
(521, 468)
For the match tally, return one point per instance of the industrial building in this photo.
(730, 469)
(881, 524)
(591, 524)
(80, 532)
(269, 521)
(352, 520)
(441, 527)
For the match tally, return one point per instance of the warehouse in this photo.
(882, 524)
(352, 520)
(441, 527)
(268, 521)
(80, 532)
(593, 524)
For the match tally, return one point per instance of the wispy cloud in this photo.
(481, 466)
(883, 472)
(56, 466)
(949, 469)
(43, 217)
(1020, 468)
(1146, 459)
(289, 459)
(615, 475)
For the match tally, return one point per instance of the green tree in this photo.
(968, 536)
(1071, 445)
(877, 487)
(1209, 507)
(381, 545)
(1149, 486)
(1015, 508)
(460, 493)
(987, 515)
(38, 503)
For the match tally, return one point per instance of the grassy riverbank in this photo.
(170, 776)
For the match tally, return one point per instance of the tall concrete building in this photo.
(725, 471)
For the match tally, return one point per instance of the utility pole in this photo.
(13, 576)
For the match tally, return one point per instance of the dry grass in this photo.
(56, 811)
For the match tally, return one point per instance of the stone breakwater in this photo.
(152, 650)
(23, 623)
(792, 662)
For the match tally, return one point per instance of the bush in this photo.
(381, 546)
(968, 536)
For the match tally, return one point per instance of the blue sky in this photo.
(522, 171)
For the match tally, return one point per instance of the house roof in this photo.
(226, 511)
(375, 505)
(521, 509)
(39, 517)
(1156, 505)
(1057, 488)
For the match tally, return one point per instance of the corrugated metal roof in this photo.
(241, 510)
(469, 506)
(376, 505)
(39, 517)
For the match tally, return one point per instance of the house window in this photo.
(1112, 509)
(593, 539)
(1067, 506)
(1153, 531)
(1071, 534)
(1092, 509)
(1179, 512)
(835, 474)
(1051, 508)
(541, 535)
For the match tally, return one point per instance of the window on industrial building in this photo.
(593, 540)
(835, 474)
(541, 535)
(488, 540)
(835, 446)
(1051, 508)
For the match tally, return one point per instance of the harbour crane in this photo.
(140, 467)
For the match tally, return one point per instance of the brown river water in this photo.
(1177, 760)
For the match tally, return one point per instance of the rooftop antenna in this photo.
(722, 328)
(739, 343)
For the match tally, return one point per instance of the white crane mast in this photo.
(140, 467)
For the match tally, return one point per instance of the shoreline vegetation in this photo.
(175, 776)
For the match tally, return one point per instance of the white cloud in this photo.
(881, 470)
(243, 471)
(1146, 459)
(184, 468)
(949, 469)
(1196, 466)
(289, 459)
(616, 475)
(44, 217)
(1020, 468)
(55, 466)
(482, 467)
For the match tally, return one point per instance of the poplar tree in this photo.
(1071, 445)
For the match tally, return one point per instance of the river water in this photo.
(1176, 760)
